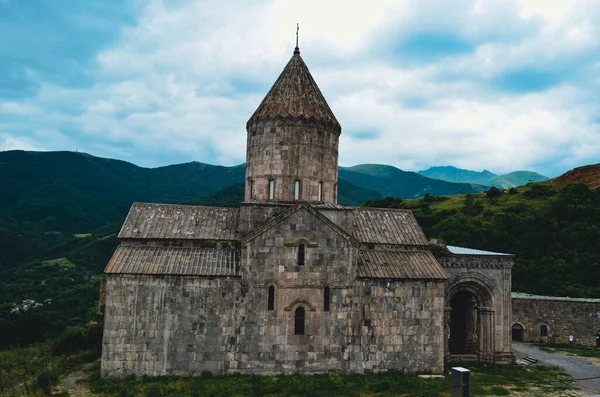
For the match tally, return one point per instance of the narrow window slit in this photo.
(271, 298)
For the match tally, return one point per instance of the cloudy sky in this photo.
(490, 84)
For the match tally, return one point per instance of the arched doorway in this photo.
(598, 338)
(463, 323)
(470, 319)
(517, 332)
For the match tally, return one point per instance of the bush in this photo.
(493, 192)
(80, 338)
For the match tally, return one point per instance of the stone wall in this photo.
(562, 317)
(372, 325)
(182, 325)
(169, 325)
(288, 149)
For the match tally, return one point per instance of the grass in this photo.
(570, 350)
(486, 381)
(63, 263)
(32, 371)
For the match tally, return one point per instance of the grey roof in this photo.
(295, 94)
(470, 251)
(141, 259)
(522, 295)
(387, 226)
(170, 221)
(399, 265)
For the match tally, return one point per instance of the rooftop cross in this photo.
(297, 49)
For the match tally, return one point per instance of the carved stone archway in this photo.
(470, 318)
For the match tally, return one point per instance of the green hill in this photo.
(485, 177)
(458, 175)
(75, 192)
(553, 232)
(516, 178)
(394, 182)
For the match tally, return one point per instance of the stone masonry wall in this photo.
(371, 326)
(562, 317)
(169, 325)
(288, 149)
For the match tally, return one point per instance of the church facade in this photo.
(291, 281)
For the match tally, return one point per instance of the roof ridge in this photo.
(139, 203)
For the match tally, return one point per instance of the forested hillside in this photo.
(485, 177)
(553, 232)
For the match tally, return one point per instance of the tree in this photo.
(493, 193)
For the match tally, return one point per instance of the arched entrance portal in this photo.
(463, 323)
(470, 321)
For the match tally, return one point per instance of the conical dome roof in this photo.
(295, 94)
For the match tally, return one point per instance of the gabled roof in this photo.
(387, 226)
(418, 265)
(295, 94)
(289, 212)
(141, 259)
(185, 222)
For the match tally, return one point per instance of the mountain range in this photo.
(485, 177)
(75, 192)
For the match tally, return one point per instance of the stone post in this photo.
(486, 333)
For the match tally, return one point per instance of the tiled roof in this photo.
(419, 265)
(169, 221)
(387, 226)
(470, 251)
(295, 94)
(136, 259)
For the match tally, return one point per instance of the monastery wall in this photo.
(371, 325)
(167, 325)
(561, 316)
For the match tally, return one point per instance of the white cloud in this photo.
(180, 84)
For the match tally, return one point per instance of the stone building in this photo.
(553, 319)
(290, 281)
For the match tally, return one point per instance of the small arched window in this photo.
(320, 192)
(271, 189)
(271, 298)
(299, 317)
(297, 187)
(544, 330)
(326, 299)
(301, 254)
(251, 190)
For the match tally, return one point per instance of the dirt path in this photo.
(69, 384)
(577, 367)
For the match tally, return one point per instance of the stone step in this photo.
(530, 360)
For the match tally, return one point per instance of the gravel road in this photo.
(577, 367)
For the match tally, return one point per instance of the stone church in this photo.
(291, 281)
